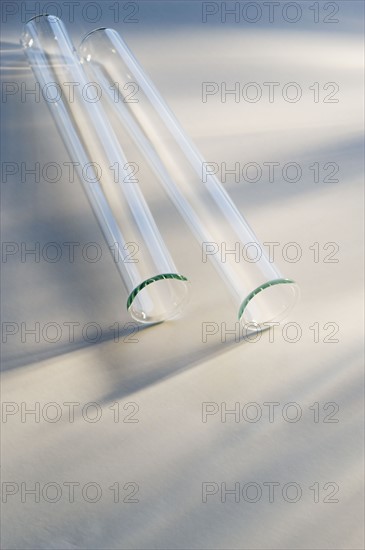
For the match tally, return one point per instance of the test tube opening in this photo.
(269, 303)
(158, 298)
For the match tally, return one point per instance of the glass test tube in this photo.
(156, 291)
(262, 295)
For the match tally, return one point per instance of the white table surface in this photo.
(169, 372)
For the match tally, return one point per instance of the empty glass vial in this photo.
(262, 294)
(156, 291)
